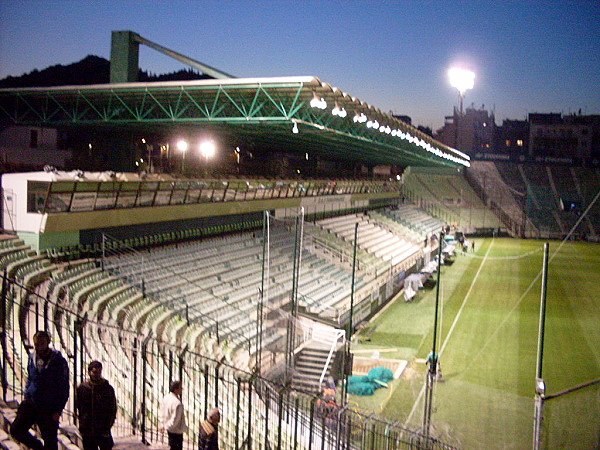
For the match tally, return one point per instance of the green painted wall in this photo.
(40, 242)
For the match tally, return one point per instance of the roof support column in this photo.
(124, 57)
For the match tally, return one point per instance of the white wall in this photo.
(15, 215)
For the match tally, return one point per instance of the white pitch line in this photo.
(535, 279)
(414, 408)
(499, 327)
(466, 297)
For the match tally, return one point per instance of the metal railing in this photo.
(256, 412)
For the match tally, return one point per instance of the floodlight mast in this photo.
(462, 80)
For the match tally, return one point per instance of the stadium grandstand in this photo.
(247, 286)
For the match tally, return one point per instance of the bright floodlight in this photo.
(182, 145)
(207, 149)
(461, 79)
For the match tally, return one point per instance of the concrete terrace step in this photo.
(309, 369)
(306, 385)
(311, 362)
(315, 351)
(134, 443)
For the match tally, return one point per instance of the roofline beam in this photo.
(204, 68)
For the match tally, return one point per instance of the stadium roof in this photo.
(291, 114)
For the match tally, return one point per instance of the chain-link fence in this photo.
(572, 416)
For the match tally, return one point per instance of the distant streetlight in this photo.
(182, 146)
(462, 80)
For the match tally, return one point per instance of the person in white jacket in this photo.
(172, 416)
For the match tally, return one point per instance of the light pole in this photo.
(182, 146)
(207, 150)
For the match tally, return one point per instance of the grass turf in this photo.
(488, 341)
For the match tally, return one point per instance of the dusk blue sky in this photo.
(528, 56)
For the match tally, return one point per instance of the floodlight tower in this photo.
(462, 80)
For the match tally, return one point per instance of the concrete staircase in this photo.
(308, 368)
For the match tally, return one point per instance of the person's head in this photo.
(214, 416)
(41, 342)
(176, 388)
(95, 370)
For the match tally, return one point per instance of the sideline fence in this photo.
(256, 413)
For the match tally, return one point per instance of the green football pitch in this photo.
(487, 341)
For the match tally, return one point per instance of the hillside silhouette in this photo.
(90, 70)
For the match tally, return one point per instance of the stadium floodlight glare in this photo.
(462, 80)
(337, 111)
(318, 102)
(360, 118)
(207, 149)
(182, 145)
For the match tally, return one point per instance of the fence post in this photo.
(135, 378)
(311, 422)
(280, 395)
(216, 405)
(144, 376)
(296, 417)
(249, 438)
(348, 429)
(103, 250)
(182, 362)
(261, 298)
(237, 412)
(170, 367)
(205, 411)
(77, 358)
(3, 300)
(373, 433)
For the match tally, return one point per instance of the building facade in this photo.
(471, 132)
(556, 135)
(512, 138)
(31, 147)
(542, 135)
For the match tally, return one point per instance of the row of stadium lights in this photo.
(320, 103)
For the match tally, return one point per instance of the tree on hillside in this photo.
(90, 70)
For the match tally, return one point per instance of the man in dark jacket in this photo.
(97, 409)
(208, 437)
(46, 394)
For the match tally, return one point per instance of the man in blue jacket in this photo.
(46, 394)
